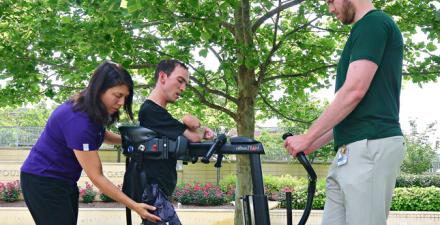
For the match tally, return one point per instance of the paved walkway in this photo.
(116, 216)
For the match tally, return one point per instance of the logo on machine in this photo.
(250, 148)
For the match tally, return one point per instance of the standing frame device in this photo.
(139, 143)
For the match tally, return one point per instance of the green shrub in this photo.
(10, 191)
(274, 184)
(422, 198)
(197, 194)
(106, 198)
(419, 153)
(299, 199)
(227, 186)
(227, 181)
(412, 180)
(404, 199)
(416, 199)
(87, 194)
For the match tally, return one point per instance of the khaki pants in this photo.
(359, 192)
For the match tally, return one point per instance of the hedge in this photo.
(404, 199)
(410, 180)
(416, 199)
(412, 193)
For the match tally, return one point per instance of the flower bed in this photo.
(87, 194)
(10, 191)
(198, 194)
(411, 193)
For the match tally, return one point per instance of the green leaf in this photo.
(133, 5)
(203, 52)
(431, 47)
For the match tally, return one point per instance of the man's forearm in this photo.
(343, 104)
(359, 76)
(321, 141)
(193, 136)
(192, 122)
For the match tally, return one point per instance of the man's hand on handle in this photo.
(208, 134)
(297, 143)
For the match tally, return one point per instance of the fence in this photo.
(24, 137)
(27, 136)
(19, 136)
(435, 167)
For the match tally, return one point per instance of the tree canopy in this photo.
(49, 48)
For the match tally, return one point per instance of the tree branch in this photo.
(268, 15)
(145, 25)
(219, 58)
(329, 30)
(423, 73)
(229, 27)
(141, 66)
(213, 91)
(276, 26)
(263, 66)
(226, 25)
(47, 63)
(299, 74)
(58, 85)
(212, 105)
(143, 86)
(280, 113)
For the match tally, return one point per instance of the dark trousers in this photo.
(51, 201)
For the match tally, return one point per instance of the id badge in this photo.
(342, 155)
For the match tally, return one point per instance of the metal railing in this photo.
(435, 167)
(16, 136)
(19, 136)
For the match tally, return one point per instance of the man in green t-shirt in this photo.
(363, 119)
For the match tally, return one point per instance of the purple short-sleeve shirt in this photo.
(66, 130)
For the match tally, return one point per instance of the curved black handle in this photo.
(218, 143)
(312, 183)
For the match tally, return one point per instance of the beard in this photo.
(348, 12)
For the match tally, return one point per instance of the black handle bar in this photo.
(312, 183)
(218, 143)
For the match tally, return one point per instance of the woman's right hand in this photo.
(91, 164)
(142, 210)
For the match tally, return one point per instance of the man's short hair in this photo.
(167, 66)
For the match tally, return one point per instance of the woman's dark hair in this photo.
(106, 76)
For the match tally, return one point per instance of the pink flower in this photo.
(287, 189)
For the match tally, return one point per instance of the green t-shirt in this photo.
(377, 38)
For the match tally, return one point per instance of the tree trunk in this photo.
(245, 127)
(247, 92)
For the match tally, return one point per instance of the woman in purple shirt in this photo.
(69, 144)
